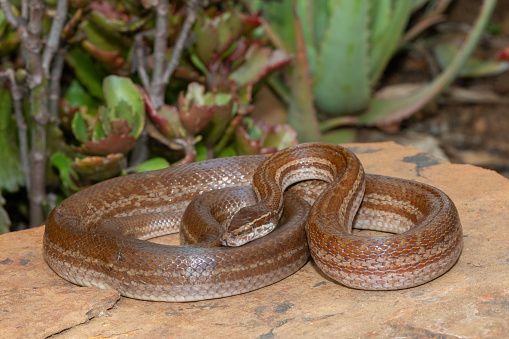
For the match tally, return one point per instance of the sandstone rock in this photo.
(469, 301)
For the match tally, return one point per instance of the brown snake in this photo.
(96, 236)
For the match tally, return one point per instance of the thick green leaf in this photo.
(207, 39)
(100, 37)
(11, 173)
(118, 89)
(386, 34)
(66, 172)
(78, 96)
(98, 132)
(87, 70)
(152, 164)
(341, 83)
(79, 128)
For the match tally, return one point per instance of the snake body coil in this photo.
(95, 237)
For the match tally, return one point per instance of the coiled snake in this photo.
(96, 237)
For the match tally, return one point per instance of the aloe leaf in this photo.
(341, 83)
(280, 15)
(301, 110)
(384, 111)
(321, 12)
(474, 67)
(386, 35)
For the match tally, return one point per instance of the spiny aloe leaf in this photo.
(386, 33)
(301, 111)
(385, 111)
(341, 82)
(474, 67)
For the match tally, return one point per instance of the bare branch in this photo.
(37, 83)
(32, 44)
(54, 36)
(54, 85)
(17, 96)
(140, 61)
(9, 15)
(192, 9)
(159, 83)
(24, 9)
(160, 45)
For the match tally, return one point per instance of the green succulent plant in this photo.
(342, 48)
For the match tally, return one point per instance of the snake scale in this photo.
(97, 237)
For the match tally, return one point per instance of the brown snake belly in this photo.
(95, 237)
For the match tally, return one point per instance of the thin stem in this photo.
(24, 9)
(17, 96)
(54, 87)
(9, 15)
(54, 36)
(160, 45)
(37, 83)
(192, 9)
(140, 62)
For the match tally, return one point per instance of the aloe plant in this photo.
(347, 47)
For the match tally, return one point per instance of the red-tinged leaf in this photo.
(150, 108)
(250, 23)
(111, 144)
(108, 10)
(111, 59)
(120, 127)
(503, 55)
(243, 143)
(259, 62)
(279, 136)
(93, 169)
(66, 113)
(196, 119)
(172, 127)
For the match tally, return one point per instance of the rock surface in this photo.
(470, 301)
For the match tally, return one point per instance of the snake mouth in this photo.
(247, 233)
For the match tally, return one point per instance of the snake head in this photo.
(250, 223)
